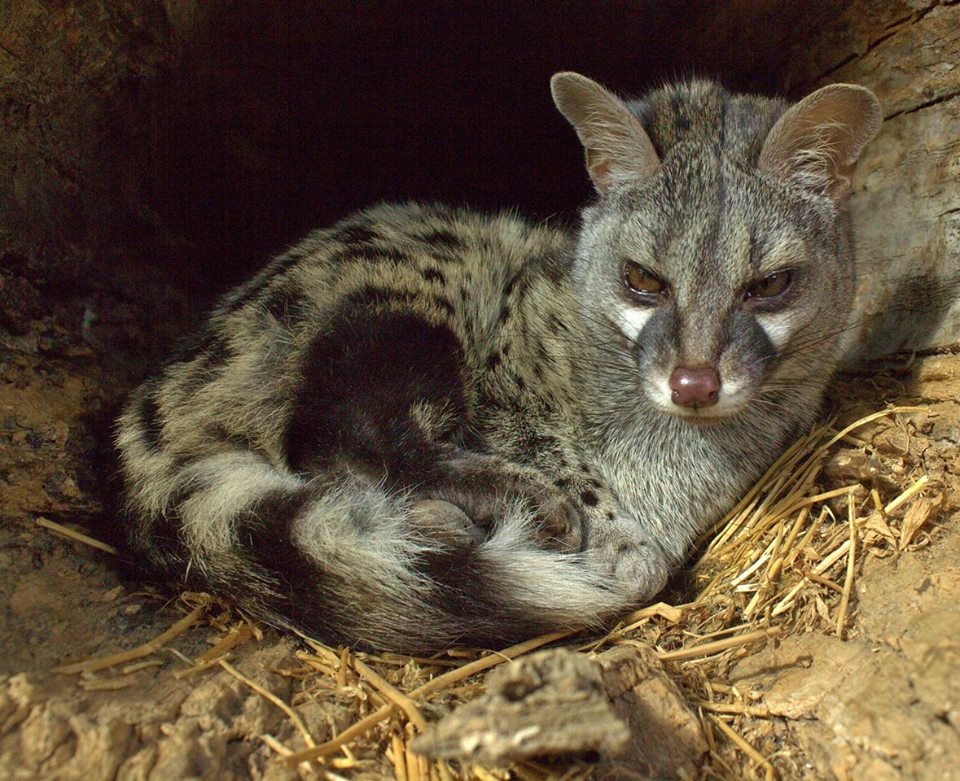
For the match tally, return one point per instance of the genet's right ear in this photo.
(618, 149)
(816, 143)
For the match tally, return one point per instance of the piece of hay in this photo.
(65, 531)
(272, 698)
(149, 648)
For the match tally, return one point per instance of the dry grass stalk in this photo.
(147, 649)
(809, 574)
(398, 756)
(106, 684)
(717, 646)
(276, 745)
(745, 747)
(65, 531)
(912, 491)
(236, 636)
(272, 698)
(394, 695)
(138, 666)
(440, 682)
(201, 667)
(851, 564)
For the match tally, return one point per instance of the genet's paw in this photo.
(635, 563)
(488, 491)
(557, 524)
(444, 523)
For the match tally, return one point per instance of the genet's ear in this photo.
(816, 143)
(618, 149)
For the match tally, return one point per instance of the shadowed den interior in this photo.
(284, 116)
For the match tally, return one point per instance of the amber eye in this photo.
(639, 280)
(770, 287)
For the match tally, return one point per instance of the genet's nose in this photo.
(698, 387)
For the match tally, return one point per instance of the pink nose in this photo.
(695, 388)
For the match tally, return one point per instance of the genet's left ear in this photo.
(618, 149)
(816, 143)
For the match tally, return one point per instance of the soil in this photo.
(884, 702)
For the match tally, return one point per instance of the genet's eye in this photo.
(642, 281)
(771, 286)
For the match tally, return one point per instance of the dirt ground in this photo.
(883, 703)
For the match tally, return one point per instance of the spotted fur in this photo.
(425, 426)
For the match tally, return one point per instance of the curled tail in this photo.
(339, 556)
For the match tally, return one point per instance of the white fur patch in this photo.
(558, 585)
(234, 482)
(777, 327)
(358, 516)
(633, 319)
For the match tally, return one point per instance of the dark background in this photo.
(285, 116)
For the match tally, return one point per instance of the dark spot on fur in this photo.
(554, 267)
(394, 255)
(433, 274)
(285, 305)
(493, 360)
(252, 290)
(532, 446)
(523, 283)
(562, 483)
(282, 264)
(504, 314)
(208, 342)
(511, 283)
(257, 527)
(212, 343)
(356, 235)
(443, 240)
(610, 515)
(680, 116)
(358, 375)
(589, 498)
(206, 357)
(464, 294)
(442, 303)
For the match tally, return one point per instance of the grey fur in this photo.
(595, 484)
